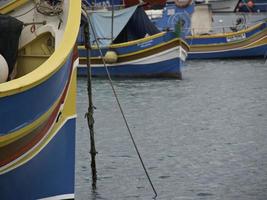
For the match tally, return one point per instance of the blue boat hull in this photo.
(160, 55)
(251, 42)
(243, 53)
(39, 161)
(169, 68)
(48, 174)
(248, 42)
(46, 94)
(38, 105)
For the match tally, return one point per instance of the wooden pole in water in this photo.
(89, 114)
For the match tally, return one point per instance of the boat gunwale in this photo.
(145, 52)
(135, 42)
(226, 34)
(224, 44)
(55, 62)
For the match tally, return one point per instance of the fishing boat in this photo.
(249, 42)
(37, 98)
(239, 40)
(135, 48)
(208, 38)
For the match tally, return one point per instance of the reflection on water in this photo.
(201, 138)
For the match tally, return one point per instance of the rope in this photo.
(47, 9)
(89, 114)
(121, 110)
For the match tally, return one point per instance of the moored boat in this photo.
(37, 98)
(209, 37)
(248, 42)
(238, 40)
(138, 48)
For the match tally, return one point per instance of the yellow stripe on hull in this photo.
(68, 112)
(227, 34)
(260, 42)
(11, 137)
(54, 63)
(141, 51)
(255, 40)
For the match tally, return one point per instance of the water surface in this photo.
(200, 138)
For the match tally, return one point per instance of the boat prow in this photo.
(37, 129)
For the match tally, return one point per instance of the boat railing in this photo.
(220, 29)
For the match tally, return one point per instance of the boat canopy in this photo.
(128, 24)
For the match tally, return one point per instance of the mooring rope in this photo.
(89, 114)
(120, 108)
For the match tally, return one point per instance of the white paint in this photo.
(63, 196)
(249, 46)
(176, 52)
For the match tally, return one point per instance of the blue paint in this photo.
(238, 53)
(21, 109)
(222, 39)
(172, 66)
(49, 173)
(131, 70)
(252, 52)
(170, 16)
(132, 48)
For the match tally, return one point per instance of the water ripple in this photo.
(200, 138)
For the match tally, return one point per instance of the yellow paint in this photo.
(260, 42)
(12, 5)
(134, 42)
(69, 110)
(142, 51)
(32, 56)
(217, 35)
(11, 137)
(55, 62)
(70, 104)
(39, 75)
(227, 43)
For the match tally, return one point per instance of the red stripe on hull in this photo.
(42, 132)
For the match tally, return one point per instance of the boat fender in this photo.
(111, 57)
(182, 3)
(3, 69)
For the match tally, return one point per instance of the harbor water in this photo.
(204, 137)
